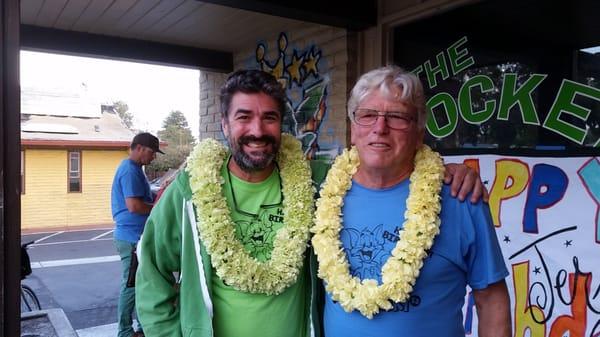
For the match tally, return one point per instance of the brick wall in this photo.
(210, 120)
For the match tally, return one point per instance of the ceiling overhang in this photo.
(351, 15)
(189, 33)
(95, 45)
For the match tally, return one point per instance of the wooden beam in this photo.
(10, 194)
(352, 15)
(103, 46)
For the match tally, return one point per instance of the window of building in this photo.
(74, 184)
(493, 86)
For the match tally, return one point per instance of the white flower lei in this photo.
(402, 268)
(232, 262)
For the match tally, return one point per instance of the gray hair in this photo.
(383, 78)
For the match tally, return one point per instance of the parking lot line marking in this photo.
(63, 242)
(48, 236)
(101, 235)
(68, 231)
(72, 262)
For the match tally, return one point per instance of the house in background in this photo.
(70, 148)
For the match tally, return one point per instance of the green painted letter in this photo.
(451, 111)
(466, 104)
(522, 96)
(441, 67)
(417, 70)
(455, 55)
(564, 104)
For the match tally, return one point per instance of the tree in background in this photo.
(178, 136)
(123, 112)
(175, 130)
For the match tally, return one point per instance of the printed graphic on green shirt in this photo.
(256, 209)
(258, 231)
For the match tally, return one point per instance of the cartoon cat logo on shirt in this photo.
(366, 247)
(257, 235)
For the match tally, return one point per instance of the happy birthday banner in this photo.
(545, 212)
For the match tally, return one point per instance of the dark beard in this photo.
(248, 163)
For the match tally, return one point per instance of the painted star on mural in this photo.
(536, 270)
(568, 243)
(293, 69)
(506, 239)
(312, 59)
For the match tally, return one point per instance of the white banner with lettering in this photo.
(545, 212)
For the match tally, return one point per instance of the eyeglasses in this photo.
(395, 120)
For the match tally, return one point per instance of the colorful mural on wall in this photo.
(545, 211)
(304, 75)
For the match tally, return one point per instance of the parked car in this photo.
(157, 183)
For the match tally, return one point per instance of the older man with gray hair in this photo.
(395, 250)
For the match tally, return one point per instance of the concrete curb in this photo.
(46, 323)
(108, 330)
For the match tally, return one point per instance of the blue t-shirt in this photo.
(465, 252)
(130, 181)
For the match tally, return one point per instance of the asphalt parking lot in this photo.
(77, 271)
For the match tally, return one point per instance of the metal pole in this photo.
(10, 145)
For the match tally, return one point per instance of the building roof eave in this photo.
(84, 144)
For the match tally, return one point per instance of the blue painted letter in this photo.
(548, 185)
(590, 176)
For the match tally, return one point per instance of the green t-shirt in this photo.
(257, 212)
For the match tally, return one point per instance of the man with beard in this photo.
(223, 252)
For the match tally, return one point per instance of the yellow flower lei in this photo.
(232, 262)
(402, 268)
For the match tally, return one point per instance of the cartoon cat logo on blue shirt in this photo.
(366, 248)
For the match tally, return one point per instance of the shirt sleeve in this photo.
(484, 260)
(133, 184)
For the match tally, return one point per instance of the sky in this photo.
(150, 91)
